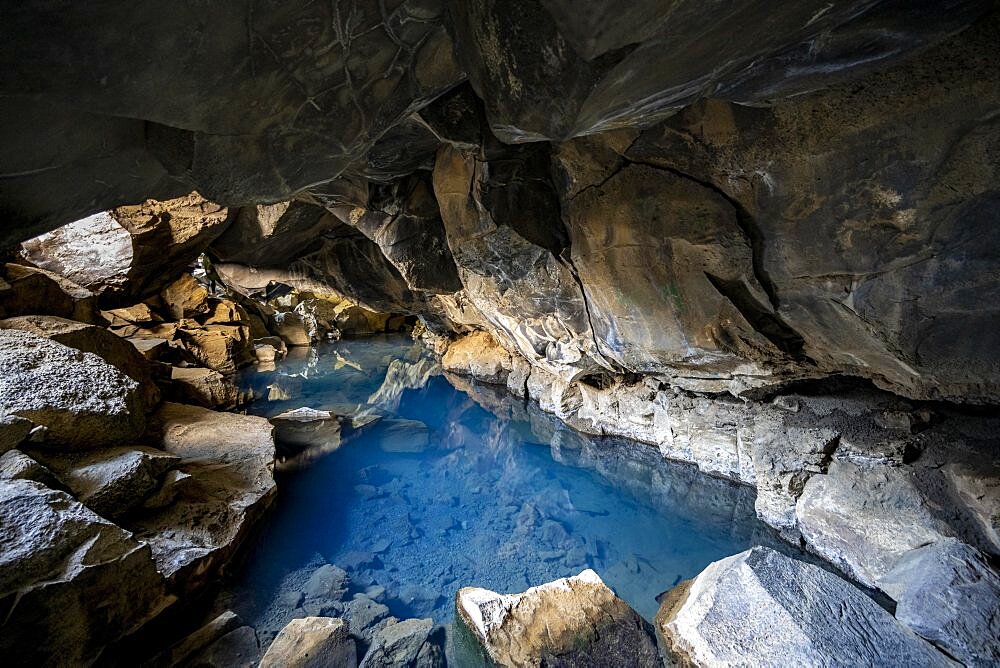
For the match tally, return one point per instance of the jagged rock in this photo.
(312, 642)
(92, 339)
(174, 483)
(571, 621)
(112, 481)
(760, 607)
(80, 399)
(292, 328)
(15, 465)
(204, 387)
(949, 594)
(185, 298)
(863, 517)
(399, 435)
(479, 356)
(130, 252)
(230, 458)
(33, 291)
(366, 617)
(406, 643)
(223, 348)
(61, 578)
(152, 348)
(14, 430)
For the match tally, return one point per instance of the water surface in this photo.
(461, 484)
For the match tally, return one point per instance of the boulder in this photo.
(223, 348)
(204, 387)
(312, 642)
(230, 460)
(33, 291)
(71, 582)
(81, 400)
(948, 593)
(197, 641)
(112, 481)
(185, 298)
(365, 617)
(304, 435)
(130, 252)
(763, 608)
(863, 517)
(238, 648)
(14, 430)
(571, 621)
(15, 465)
(114, 350)
(406, 643)
(480, 356)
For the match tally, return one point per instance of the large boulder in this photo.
(576, 621)
(92, 339)
(71, 582)
(312, 642)
(33, 291)
(407, 643)
(230, 459)
(80, 399)
(204, 387)
(948, 593)
(763, 608)
(113, 481)
(130, 252)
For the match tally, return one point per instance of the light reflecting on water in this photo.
(461, 485)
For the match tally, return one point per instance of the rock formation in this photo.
(761, 239)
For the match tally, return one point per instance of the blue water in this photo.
(480, 489)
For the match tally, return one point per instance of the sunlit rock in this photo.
(312, 642)
(569, 620)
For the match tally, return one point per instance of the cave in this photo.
(474, 333)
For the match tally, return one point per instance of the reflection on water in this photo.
(460, 484)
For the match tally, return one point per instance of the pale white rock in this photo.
(571, 619)
(863, 517)
(948, 593)
(762, 608)
(312, 642)
(95, 252)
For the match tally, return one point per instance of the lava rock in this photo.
(801, 615)
(571, 621)
(312, 642)
(406, 643)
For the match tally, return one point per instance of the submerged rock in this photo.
(312, 642)
(80, 399)
(406, 643)
(575, 621)
(71, 582)
(762, 608)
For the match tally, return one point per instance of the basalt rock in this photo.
(802, 615)
(575, 621)
(81, 400)
(130, 252)
(33, 291)
(313, 642)
(272, 234)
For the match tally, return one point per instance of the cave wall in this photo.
(607, 192)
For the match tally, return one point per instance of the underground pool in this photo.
(444, 483)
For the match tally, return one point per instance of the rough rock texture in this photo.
(15, 465)
(57, 558)
(406, 643)
(762, 608)
(272, 234)
(575, 621)
(112, 481)
(80, 399)
(33, 291)
(230, 459)
(304, 435)
(204, 387)
(130, 252)
(949, 594)
(313, 642)
(92, 339)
